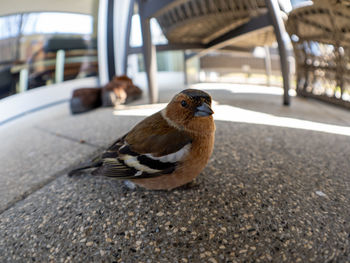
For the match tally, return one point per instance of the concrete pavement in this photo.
(270, 193)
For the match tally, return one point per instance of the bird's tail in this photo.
(84, 166)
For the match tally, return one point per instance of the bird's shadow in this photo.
(129, 186)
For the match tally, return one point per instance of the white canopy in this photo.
(8, 7)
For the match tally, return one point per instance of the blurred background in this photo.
(42, 43)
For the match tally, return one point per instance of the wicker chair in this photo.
(206, 25)
(320, 36)
(204, 21)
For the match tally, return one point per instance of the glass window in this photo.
(31, 41)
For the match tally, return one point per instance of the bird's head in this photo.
(190, 109)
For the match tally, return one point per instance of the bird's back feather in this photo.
(152, 148)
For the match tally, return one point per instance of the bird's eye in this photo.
(183, 103)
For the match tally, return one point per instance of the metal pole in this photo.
(102, 52)
(282, 40)
(185, 68)
(23, 80)
(268, 65)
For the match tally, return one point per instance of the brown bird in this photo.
(167, 149)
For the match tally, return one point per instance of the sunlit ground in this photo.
(246, 88)
(236, 114)
(241, 78)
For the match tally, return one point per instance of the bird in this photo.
(165, 150)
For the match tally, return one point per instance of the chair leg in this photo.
(281, 34)
(149, 55)
(127, 37)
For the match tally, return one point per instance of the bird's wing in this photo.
(152, 148)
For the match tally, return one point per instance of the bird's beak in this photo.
(203, 110)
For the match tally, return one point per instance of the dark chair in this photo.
(55, 44)
(75, 49)
(7, 83)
